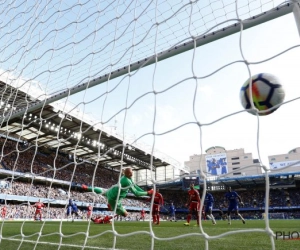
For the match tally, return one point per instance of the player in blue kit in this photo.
(209, 203)
(69, 208)
(233, 204)
(172, 212)
(74, 211)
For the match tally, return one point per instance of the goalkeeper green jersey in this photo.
(126, 185)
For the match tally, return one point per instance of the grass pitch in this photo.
(137, 235)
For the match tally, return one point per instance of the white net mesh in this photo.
(103, 63)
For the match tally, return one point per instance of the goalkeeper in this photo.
(114, 201)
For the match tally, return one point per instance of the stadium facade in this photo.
(283, 163)
(237, 163)
(232, 163)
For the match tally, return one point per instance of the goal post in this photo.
(296, 12)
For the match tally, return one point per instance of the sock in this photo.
(240, 216)
(188, 218)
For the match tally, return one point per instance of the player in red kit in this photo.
(38, 210)
(3, 212)
(89, 212)
(97, 220)
(193, 204)
(157, 202)
(143, 213)
(107, 219)
(102, 220)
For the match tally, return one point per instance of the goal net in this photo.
(92, 87)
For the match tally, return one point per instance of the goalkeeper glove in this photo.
(150, 192)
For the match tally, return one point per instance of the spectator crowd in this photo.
(23, 158)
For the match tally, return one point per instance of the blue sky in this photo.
(216, 96)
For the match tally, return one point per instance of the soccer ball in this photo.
(267, 92)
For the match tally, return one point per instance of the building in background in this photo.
(285, 163)
(220, 162)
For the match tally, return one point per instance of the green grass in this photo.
(102, 237)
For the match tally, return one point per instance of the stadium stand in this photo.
(19, 188)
